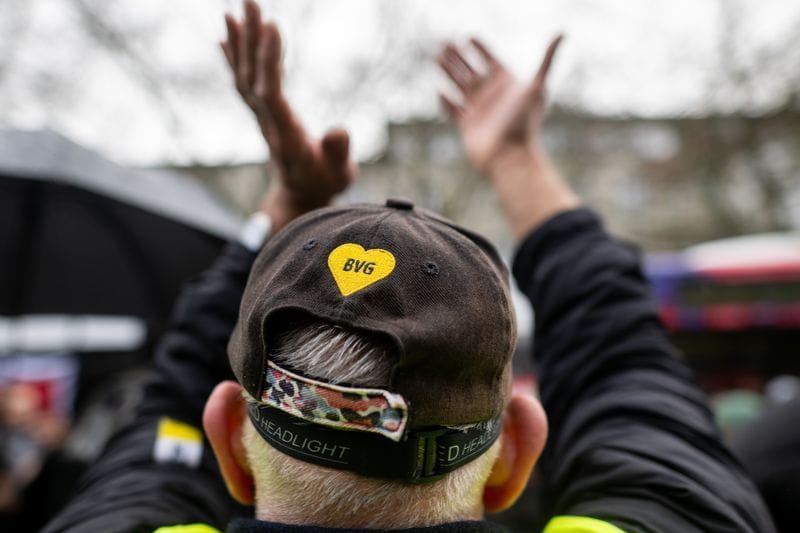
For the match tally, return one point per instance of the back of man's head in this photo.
(289, 489)
(374, 345)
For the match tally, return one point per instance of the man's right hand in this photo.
(499, 119)
(311, 171)
(496, 111)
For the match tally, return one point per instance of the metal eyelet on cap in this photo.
(310, 244)
(430, 268)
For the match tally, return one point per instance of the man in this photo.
(372, 349)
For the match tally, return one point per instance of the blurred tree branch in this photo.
(14, 17)
(117, 41)
(740, 140)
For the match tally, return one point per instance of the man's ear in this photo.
(522, 440)
(223, 420)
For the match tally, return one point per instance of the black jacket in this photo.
(632, 440)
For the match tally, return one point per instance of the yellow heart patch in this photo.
(355, 268)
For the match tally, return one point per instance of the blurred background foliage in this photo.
(677, 120)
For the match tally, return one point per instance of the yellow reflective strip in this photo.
(579, 524)
(167, 427)
(188, 528)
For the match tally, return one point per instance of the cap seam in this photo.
(499, 288)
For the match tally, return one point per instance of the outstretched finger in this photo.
(483, 50)
(336, 157)
(458, 58)
(544, 68)
(248, 41)
(454, 110)
(271, 90)
(229, 46)
(456, 69)
(268, 73)
(228, 53)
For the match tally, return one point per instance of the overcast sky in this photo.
(363, 62)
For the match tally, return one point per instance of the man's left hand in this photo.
(311, 171)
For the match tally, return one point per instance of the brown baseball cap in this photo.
(436, 291)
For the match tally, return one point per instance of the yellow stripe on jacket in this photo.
(188, 528)
(579, 524)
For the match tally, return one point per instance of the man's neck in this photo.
(257, 526)
(393, 519)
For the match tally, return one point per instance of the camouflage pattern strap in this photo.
(361, 409)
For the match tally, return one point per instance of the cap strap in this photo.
(361, 409)
(422, 456)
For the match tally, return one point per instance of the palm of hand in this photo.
(496, 112)
(296, 170)
(499, 113)
(310, 171)
(313, 169)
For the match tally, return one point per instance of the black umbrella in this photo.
(92, 256)
(80, 235)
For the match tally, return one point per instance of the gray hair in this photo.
(293, 491)
(333, 354)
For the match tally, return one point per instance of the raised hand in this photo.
(311, 171)
(499, 118)
(494, 110)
